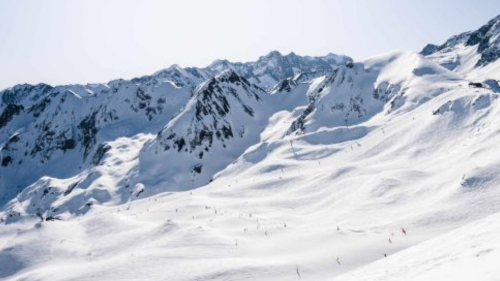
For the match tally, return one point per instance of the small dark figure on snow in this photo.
(298, 272)
(51, 218)
(475, 85)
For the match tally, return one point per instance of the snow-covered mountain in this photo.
(290, 167)
(274, 67)
(266, 72)
(64, 131)
(224, 117)
(473, 54)
(61, 131)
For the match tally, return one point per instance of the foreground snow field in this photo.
(385, 169)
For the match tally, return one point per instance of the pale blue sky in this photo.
(72, 41)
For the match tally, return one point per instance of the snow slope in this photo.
(473, 54)
(62, 132)
(316, 204)
(53, 139)
(468, 253)
(384, 169)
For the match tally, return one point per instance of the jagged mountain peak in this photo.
(470, 52)
(224, 80)
(273, 54)
(285, 85)
(17, 93)
(487, 39)
(222, 118)
(265, 72)
(429, 49)
(220, 65)
(229, 75)
(447, 46)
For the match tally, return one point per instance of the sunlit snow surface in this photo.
(328, 201)
(288, 168)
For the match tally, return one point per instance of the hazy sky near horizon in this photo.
(76, 41)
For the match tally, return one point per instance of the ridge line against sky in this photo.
(68, 42)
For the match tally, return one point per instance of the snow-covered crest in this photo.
(474, 54)
(223, 118)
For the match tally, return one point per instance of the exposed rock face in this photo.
(485, 41)
(41, 126)
(224, 117)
